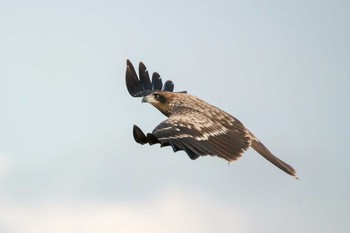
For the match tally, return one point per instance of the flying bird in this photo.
(193, 125)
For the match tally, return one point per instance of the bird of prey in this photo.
(193, 125)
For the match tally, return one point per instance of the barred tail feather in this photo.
(262, 150)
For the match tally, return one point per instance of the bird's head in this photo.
(164, 101)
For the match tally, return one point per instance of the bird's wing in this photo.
(143, 85)
(198, 134)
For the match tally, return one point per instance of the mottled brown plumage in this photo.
(200, 129)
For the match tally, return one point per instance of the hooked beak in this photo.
(145, 99)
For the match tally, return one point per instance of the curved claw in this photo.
(142, 85)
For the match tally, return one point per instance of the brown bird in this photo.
(193, 125)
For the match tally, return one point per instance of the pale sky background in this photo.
(69, 163)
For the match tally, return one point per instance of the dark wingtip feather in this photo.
(142, 85)
(144, 77)
(152, 139)
(131, 79)
(139, 136)
(168, 86)
(157, 83)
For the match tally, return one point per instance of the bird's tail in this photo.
(262, 150)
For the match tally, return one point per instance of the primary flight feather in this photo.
(193, 125)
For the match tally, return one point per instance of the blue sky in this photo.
(68, 161)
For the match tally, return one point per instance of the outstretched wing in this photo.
(199, 134)
(143, 85)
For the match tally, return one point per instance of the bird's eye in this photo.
(156, 96)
